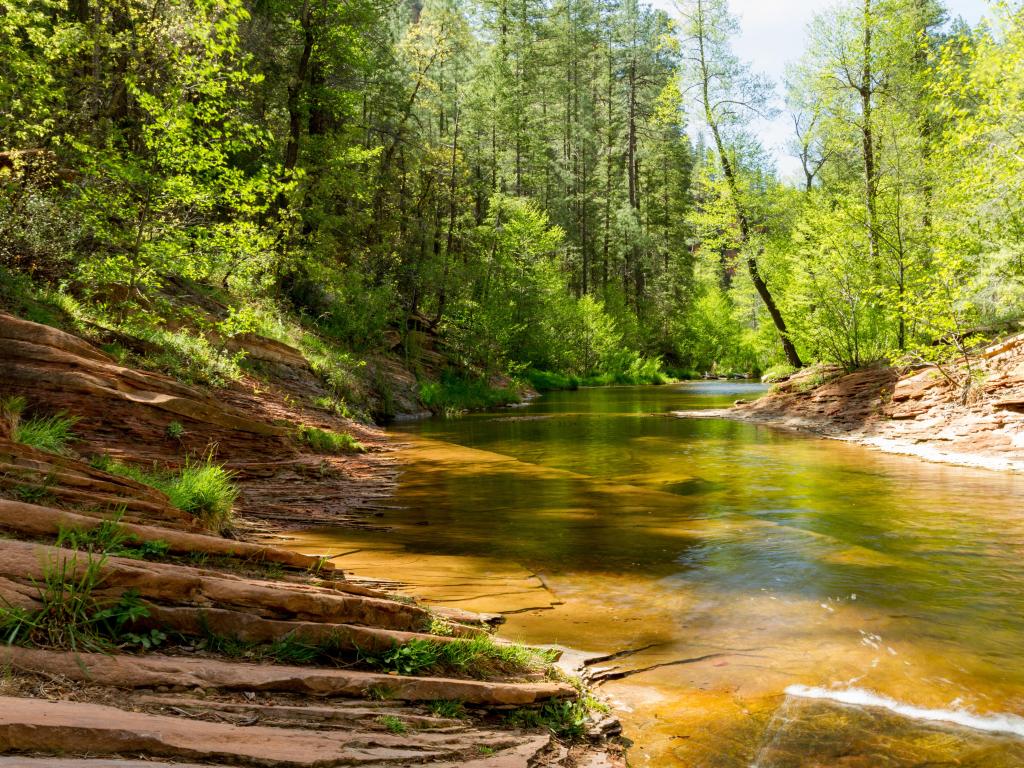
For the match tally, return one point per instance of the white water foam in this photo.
(1000, 723)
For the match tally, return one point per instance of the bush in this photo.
(546, 381)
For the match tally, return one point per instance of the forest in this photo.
(561, 190)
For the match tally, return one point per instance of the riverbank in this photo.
(147, 616)
(918, 413)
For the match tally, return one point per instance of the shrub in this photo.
(546, 381)
(46, 433)
(328, 441)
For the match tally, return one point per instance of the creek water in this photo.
(784, 601)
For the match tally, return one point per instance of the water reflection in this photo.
(787, 560)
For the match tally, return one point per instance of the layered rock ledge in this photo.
(921, 412)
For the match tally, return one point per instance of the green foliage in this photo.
(777, 373)
(393, 724)
(175, 430)
(451, 708)
(71, 616)
(564, 718)
(329, 441)
(201, 488)
(341, 179)
(110, 538)
(46, 433)
(455, 393)
(479, 656)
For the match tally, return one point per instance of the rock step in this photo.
(75, 483)
(169, 584)
(63, 727)
(86, 762)
(36, 520)
(335, 716)
(155, 670)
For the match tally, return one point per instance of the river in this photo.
(786, 601)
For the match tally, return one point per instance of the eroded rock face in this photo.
(115, 405)
(211, 586)
(921, 412)
(53, 726)
(249, 427)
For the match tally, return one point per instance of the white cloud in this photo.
(775, 33)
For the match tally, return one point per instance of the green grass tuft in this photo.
(110, 538)
(565, 719)
(450, 708)
(454, 394)
(393, 724)
(479, 657)
(328, 441)
(203, 489)
(46, 433)
(71, 616)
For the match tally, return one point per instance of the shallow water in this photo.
(884, 594)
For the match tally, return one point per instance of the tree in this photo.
(729, 93)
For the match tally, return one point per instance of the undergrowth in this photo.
(454, 393)
(640, 371)
(202, 488)
(72, 617)
(480, 657)
(110, 538)
(328, 441)
(51, 433)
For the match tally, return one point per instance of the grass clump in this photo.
(393, 724)
(449, 708)
(71, 616)
(202, 488)
(110, 538)
(454, 393)
(565, 719)
(777, 373)
(328, 441)
(479, 657)
(50, 433)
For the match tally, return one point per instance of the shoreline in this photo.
(892, 445)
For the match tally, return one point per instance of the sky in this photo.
(774, 33)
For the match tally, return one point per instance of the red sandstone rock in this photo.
(153, 670)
